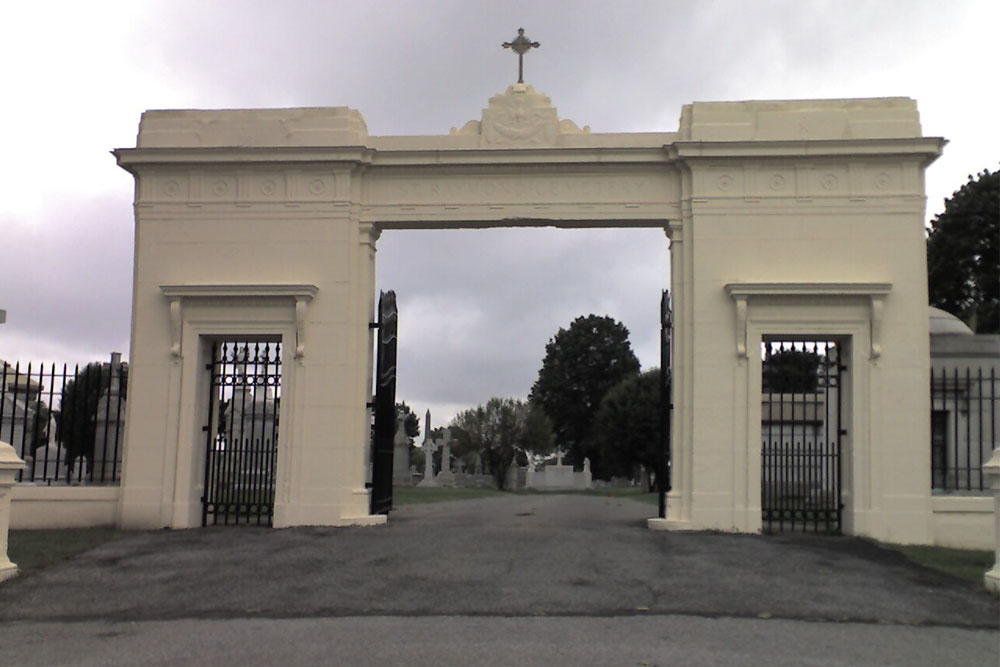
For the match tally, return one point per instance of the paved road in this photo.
(509, 580)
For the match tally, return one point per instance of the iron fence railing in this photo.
(67, 423)
(965, 414)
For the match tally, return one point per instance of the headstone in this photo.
(428, 446)
(511, 482)
(49, 463)
(401, 455)
(446, 477)
(110, 432)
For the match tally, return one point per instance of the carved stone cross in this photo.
(520, 46)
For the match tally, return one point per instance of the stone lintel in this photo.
(875, 293)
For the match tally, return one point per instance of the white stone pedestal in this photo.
(992, 471)
(10, 464)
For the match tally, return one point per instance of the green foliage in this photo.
(968, 564)
(791, 371)
(76, 427)
(627, 427)
(581, 364)
(499, 431)
(411, 423)
(963, 255)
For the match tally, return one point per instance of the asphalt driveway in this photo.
(530, 564)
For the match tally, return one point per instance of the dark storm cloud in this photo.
(68, 287)
(476, 307)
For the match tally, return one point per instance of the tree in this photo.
(411, 423)
(499, 431)
(627, 427)
(791, 371)
(581, 364)
(76, 427)
(963, 256)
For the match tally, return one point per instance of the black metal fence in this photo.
(242, 433)
(965, 411)
(67, 423)
(801, 431)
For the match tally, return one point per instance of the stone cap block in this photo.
(9, 460)
(797, 120)
(252, 128)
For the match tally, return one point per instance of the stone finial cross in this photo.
(520, 46)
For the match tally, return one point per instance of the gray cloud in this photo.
(476, 306)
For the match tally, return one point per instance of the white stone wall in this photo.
(785, 218)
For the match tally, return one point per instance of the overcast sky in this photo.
(476, 307)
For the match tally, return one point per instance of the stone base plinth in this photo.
(668, 524)
(445, 478)
(8, 570)
(992, 580)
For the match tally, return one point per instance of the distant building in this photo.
(965, 388)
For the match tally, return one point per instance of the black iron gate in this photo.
(384, 405)
(242, 433)
(666, 404)
(802, 435)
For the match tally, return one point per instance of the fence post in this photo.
(992, 471)
(10, 464)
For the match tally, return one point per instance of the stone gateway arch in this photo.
(787, 220)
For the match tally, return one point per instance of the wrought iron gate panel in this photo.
(666, 403)
(384, 429)
(801, 432)
(242, 433)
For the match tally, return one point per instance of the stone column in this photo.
(10, 464)
(992, 471)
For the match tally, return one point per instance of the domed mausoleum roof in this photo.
(944, 323)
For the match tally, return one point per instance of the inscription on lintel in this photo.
(512, 189)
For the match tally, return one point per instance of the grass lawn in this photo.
(968, 564)
(33, 550)
(410, 495)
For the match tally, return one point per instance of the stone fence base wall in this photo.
(963, 522)
(37, 507)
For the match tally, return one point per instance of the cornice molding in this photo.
(741, 294)
(176, 294)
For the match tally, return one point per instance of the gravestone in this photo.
(401, 456)
(49, 463)
(511, 483)
(428, 446)
(446, 477)
(110, 433)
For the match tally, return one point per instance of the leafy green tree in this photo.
(627, 427)
(76, 427)
(411, 423)
(963, 255)
(791, 371)
(500, 431)
(581, 364)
